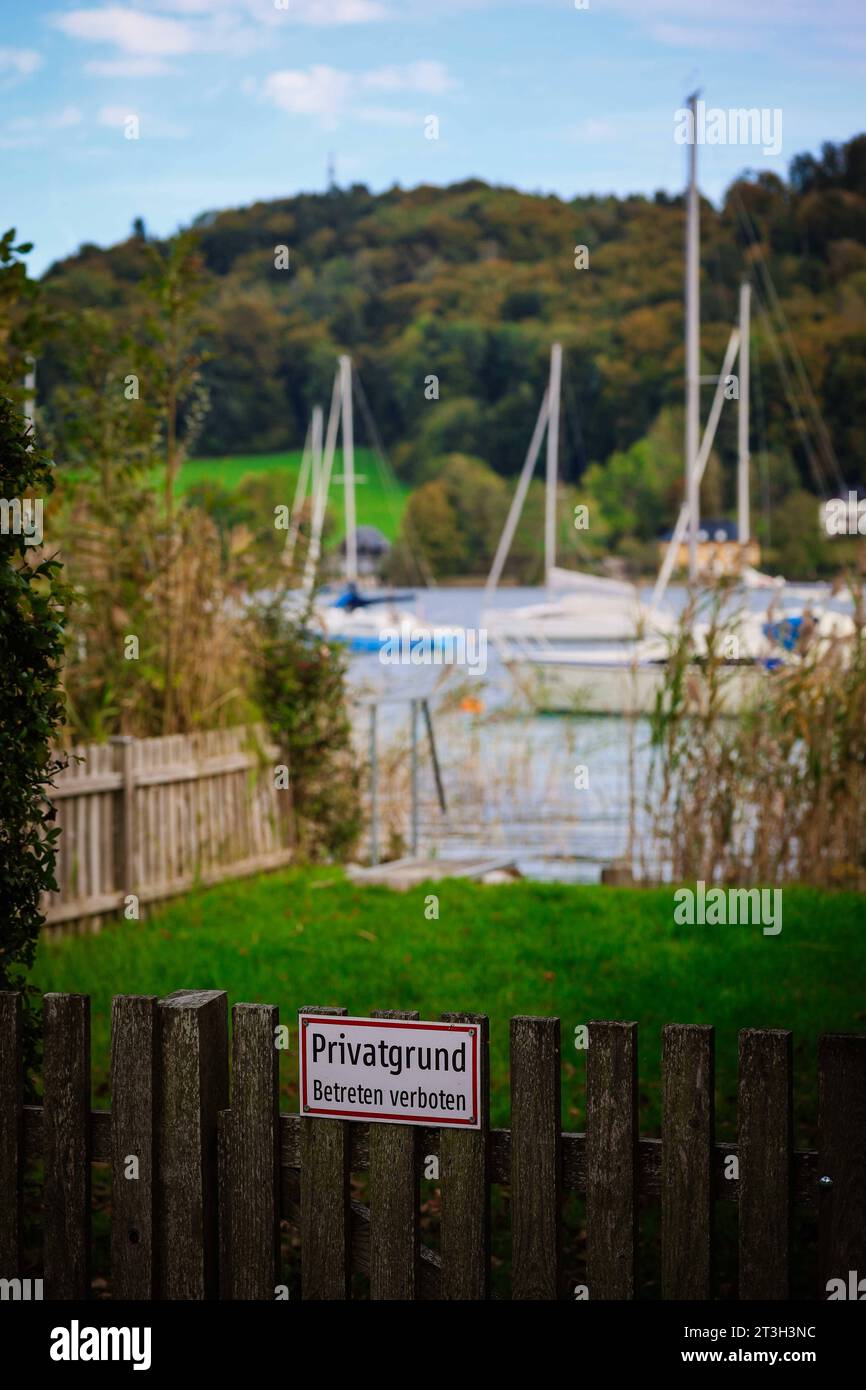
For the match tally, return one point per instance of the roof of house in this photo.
(369, 541)
(711, 529)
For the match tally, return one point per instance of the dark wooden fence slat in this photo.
(611, 1160)
(688, 1084)
(464, 1175)
(193, 1089)
(394, 1237)
(842, 1159)
(430, 1264)
(536, 1160)
(224, 1194)
(134, 1098)
(66, 1137)
(11, 1133)
(765, 1158)
(253, 1225)
(326, 1223)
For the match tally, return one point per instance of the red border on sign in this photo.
(360, 1116)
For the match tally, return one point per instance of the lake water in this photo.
(549, 791)
(562, 795)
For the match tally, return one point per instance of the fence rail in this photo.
(153, 817)
(213, 1178)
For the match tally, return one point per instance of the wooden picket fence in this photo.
(202, 1219)
(154, 817)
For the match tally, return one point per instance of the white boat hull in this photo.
(577, 618)
(629, 690)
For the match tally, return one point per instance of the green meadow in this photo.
(301, 937)
(378, 503)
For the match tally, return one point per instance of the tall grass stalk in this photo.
(777, 794)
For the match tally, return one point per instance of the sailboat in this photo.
(618, 662)
(580, 607)
(362, 619)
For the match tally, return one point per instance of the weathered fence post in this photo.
(66, 1139)
(193, 1090)
(841, 1159)
(394, 1238)
(250, 1206)
(464, 1173)
(326, 1231)
(125, 823)
(688, 1085)
(11, 1133)
(134, 1111)
(765, 1142)
(536, 1159)
(611, 1160)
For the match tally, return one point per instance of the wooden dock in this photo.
(403, 874)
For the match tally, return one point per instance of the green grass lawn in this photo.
(310, 937)
(376, 504)
(230, 470)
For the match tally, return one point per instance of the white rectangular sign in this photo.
(391, 1070)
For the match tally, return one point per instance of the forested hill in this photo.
(472, 283)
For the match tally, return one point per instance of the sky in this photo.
(163, 109)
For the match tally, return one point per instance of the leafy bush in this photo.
(32, 616)
(300, 686)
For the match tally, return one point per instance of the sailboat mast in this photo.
(552, 461)
(692, 344)
(743, 519)
(30, 389)
(316, 448)
(323, 483)
(349, 469)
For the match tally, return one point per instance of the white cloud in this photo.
(131, 31)
(70, 115)
(129, 67)
(114, 115)
(146, 33)
(186, 6)
(740, 23)
(142, 40)
(317, 13)
(739, 11)
(419, 77)
(20, 62)
(330, 12)
(25, 132)
(330, 94)
(322, 91)
(386, 115)
(51, 120)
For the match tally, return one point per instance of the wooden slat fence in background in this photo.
(154, 817)
(214, 1177)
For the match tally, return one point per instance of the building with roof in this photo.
(718, 550)
(372, 547)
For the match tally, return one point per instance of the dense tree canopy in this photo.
(472, 283)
